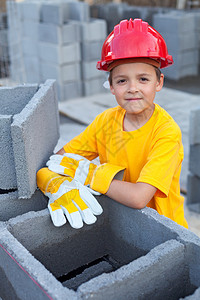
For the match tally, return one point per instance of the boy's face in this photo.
(134, 86)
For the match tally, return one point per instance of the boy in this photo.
(137, 137)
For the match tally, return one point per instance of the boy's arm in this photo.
(135, 195)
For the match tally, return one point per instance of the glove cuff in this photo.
(103, 176)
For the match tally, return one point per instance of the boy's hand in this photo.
(68, 198)
(98, 177)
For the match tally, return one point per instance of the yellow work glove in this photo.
(67, 199)
(97, 177)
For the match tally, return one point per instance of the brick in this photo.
(91, 50)
(95, 30)
(63, 73)
(68, 33)
(57, 54)
(12, 102)
(37, 124)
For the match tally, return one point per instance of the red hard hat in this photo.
(131, 39)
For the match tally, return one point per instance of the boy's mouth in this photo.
(134, 99)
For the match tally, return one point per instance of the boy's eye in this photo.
(144, 79)
(121, 81)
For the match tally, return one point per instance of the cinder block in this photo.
(68, 33)
(32, 69)
(62, 73)
(95, 30)
(180, 42)
(177, 72)
(93, 86)
(174, 23)
(29, 46)
(79, 11)
(12, 102)
(11, 206)
(144, 247)
(193, 189)
(30, 10)
(91, 50)
(3, 37)
(57, 54)
(56, 13)
(23, 277)
(89, 70)
(69, 90)
(194, 126)
(35, 132)
(185, 58)
(194, 159)
(30, 29)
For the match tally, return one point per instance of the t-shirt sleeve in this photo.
(84, 144)
(163, 161)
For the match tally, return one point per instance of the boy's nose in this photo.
(132, 88)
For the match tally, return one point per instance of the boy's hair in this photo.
(157, 70)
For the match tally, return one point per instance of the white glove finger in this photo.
(93, 192)
(57, 169)
(74, 218)
(75, 156)
(90, 201)
(86, 214)
(82, 171)
(56, 157)
(57, 216)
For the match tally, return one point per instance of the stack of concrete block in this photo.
(193, 188)
(30, 18)
(17, 72)
(29, 132)
(126, 254)
(179, 32)
(93, 35)
(4, 54)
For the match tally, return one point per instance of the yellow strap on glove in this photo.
(98, 177)
(69, 198)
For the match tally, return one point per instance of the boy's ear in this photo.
(160, 83)
(112, 90)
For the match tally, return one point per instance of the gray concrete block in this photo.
(69, 90)
(32, 69)
(37, 124)
(62, 73)
(94, 30)
(30, 29)
(30, 10)
(193, 189)
(194, 126)
(68, 33)
(174, 23)
(57, 54)
(11, 206)
(185, 58)
(4, 37)
(56, 13)
(89, 70)
(12, 102)
(194, 159)
(177, 72)
(91, 50)
(29, 47)
(94, 86)
(79, 11)
(23, 277)
(146, 246)
(180, 42)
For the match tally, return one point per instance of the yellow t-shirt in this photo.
(152, 154)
